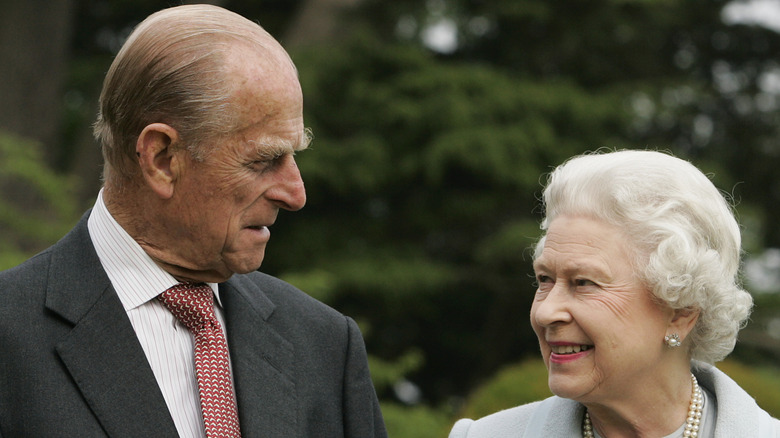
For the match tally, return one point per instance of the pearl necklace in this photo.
(691, 423)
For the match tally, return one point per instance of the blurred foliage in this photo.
(761, 382)
(759, 342)
(422, 180)
(386, 374)
(513, 385)
(415, 421)
(424, 175)
(37, 206)
(425, 170)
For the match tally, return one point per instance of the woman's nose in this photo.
(552, 308)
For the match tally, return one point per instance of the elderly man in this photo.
(149, 319)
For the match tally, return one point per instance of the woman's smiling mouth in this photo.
(569, 349)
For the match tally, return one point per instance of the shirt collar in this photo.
(134, 275)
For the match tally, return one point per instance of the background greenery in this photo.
(425, 171)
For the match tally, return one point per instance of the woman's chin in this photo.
(566, 386)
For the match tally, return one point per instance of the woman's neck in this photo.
(644, 410)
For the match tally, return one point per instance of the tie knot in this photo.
(191, 303)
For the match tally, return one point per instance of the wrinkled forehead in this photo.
(266, 98)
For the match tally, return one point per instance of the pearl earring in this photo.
(672, 341)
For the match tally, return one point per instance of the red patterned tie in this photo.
(193, 305)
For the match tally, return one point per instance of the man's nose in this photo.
(289, 192)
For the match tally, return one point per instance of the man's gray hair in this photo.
(172, 69)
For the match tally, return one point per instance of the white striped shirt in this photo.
(169, 346)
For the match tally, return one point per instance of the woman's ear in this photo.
(683, 321)
(156, 150)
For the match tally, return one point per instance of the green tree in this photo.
(422, 181)
(425, 170)
(424, 173)
(36, 207)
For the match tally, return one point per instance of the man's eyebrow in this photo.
(274, 149)
(278, 147)
(306, 137)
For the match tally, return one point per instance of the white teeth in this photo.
(569, 349)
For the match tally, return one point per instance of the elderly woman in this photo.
(637, 297)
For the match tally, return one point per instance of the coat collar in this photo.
(263, 362)
(107, 363)
(102, 352)
(737, 412)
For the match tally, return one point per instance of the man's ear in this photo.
(683, 321)
(160, 165)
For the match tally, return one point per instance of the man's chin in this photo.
(245, 265)
(217, 274)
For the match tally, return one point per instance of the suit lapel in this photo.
(102, 352)
(263, 363)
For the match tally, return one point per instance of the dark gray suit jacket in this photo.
(71, 364)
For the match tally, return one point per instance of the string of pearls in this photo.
(692, 422)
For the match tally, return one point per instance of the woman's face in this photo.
(599, 329)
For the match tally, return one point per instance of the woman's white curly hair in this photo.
(685, 238)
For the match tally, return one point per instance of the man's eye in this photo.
(584, 282)
(259, 165)
(265, 163)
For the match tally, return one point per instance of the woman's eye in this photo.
(542, 280)
(584, 282)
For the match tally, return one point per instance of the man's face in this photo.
(226, 202)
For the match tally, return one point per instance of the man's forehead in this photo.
(268, 63)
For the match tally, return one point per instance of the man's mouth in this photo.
(569, 349)
(256, 227)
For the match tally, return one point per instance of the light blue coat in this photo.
(738, 415)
